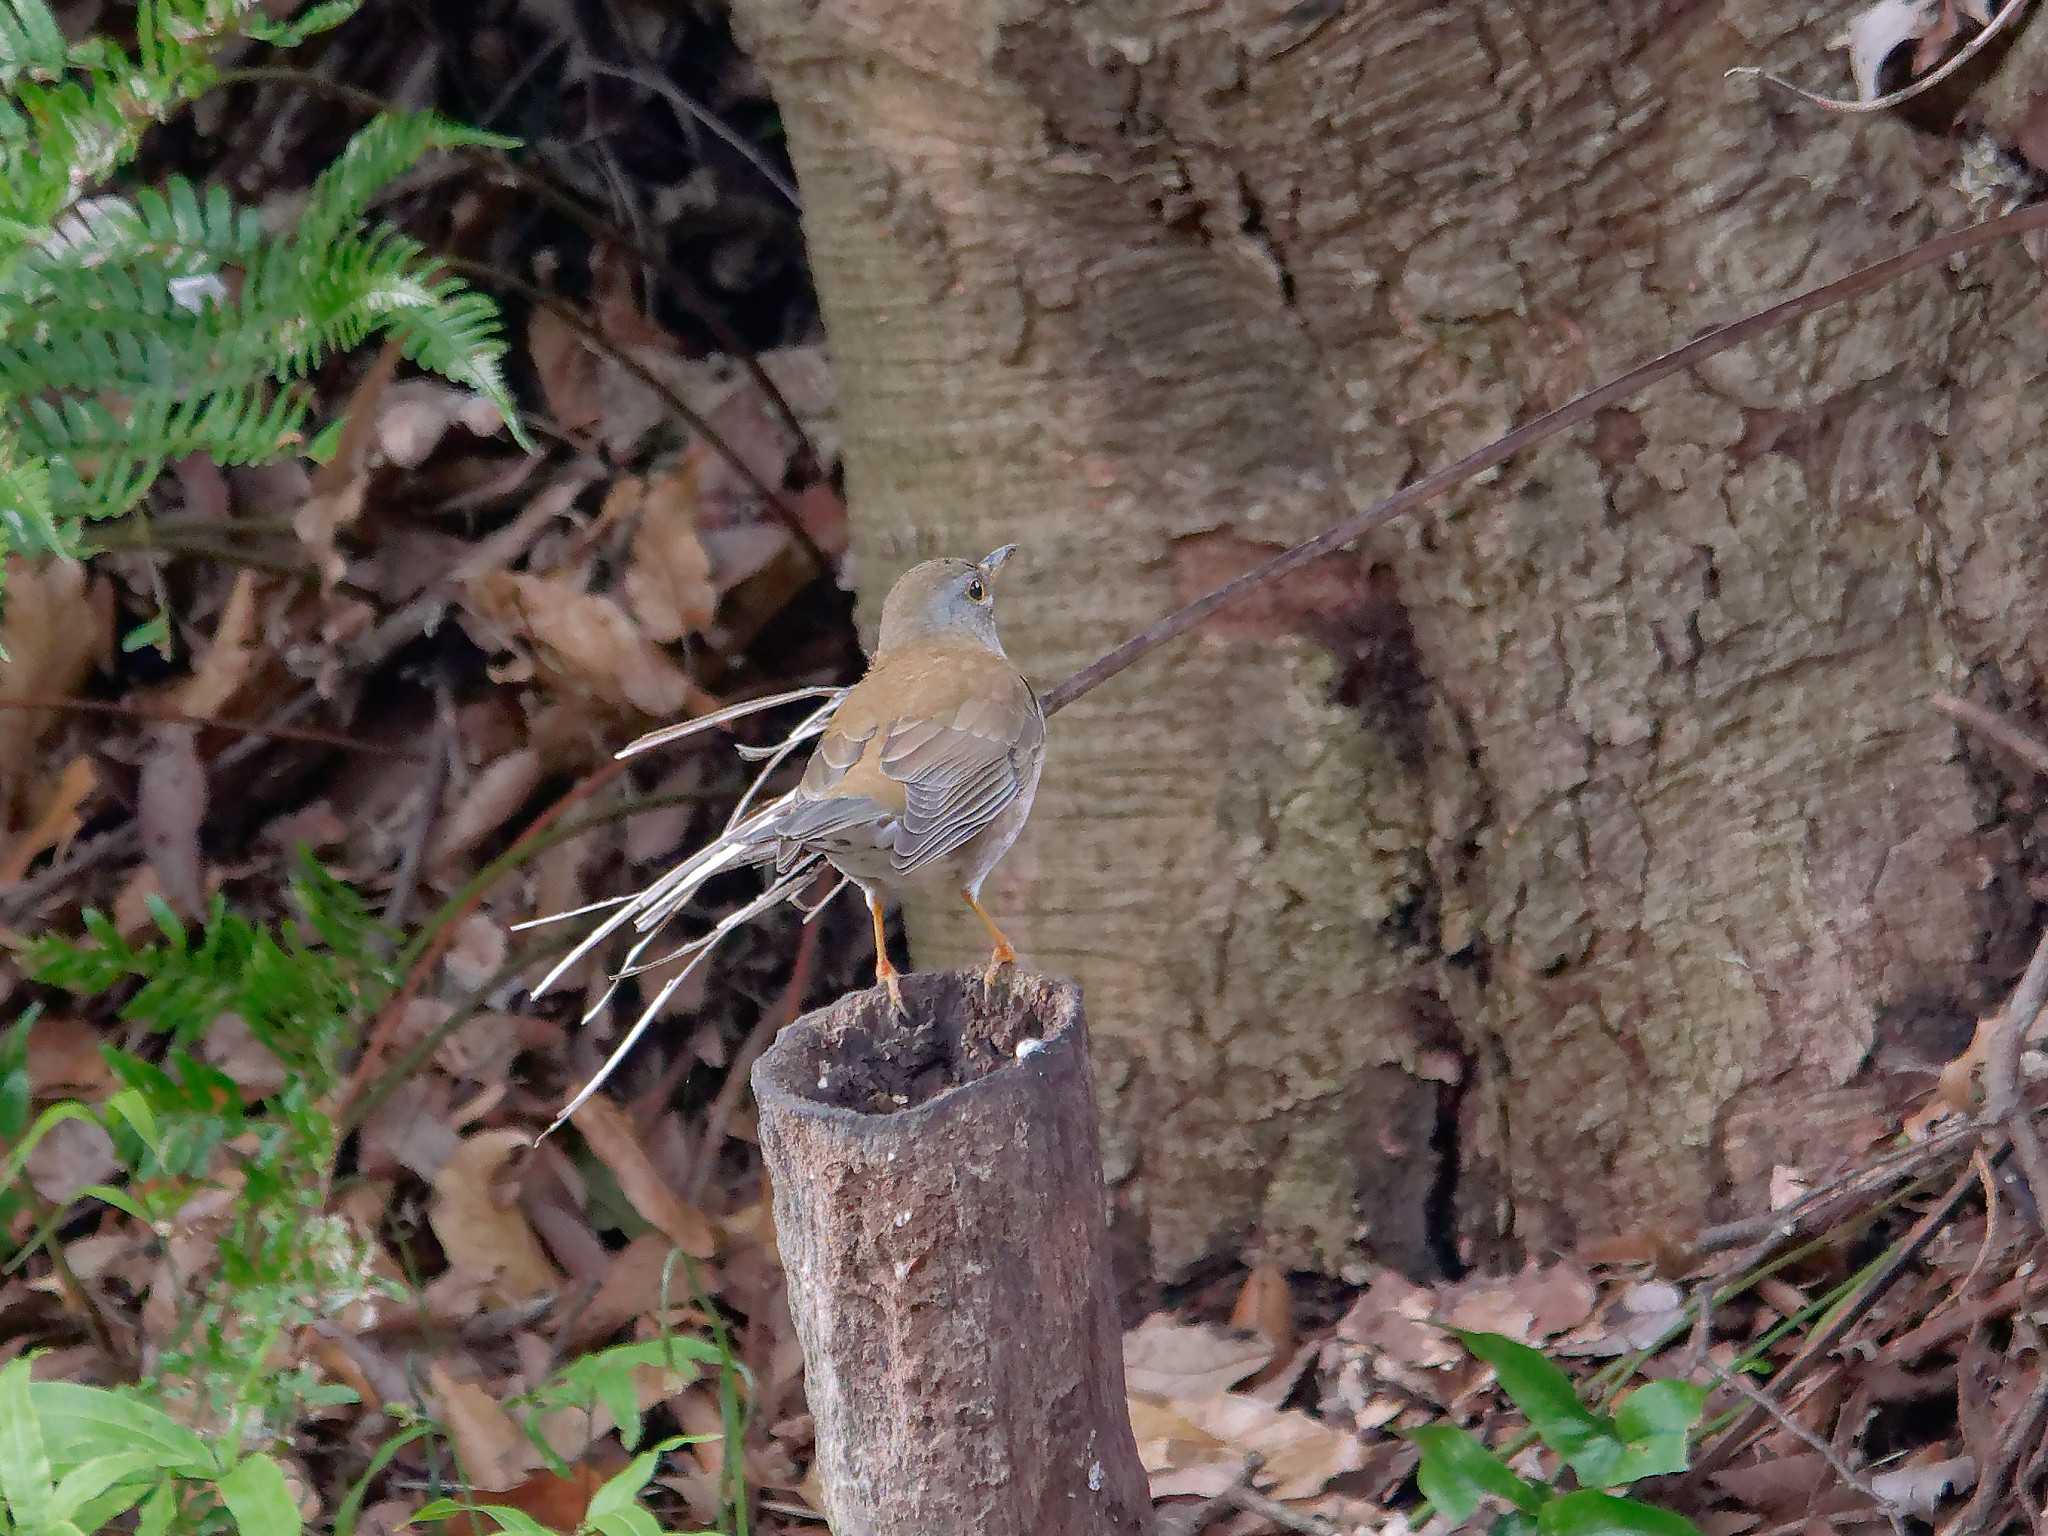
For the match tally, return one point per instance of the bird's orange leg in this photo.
(885, 971)
(1003, 954)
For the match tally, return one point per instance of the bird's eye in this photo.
(976, 592)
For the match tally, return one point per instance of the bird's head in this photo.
(943, 600)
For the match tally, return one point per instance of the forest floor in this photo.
(413, 666)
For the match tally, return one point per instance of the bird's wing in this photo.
(961, 771)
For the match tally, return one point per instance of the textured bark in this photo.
(1482, 886)
(942, 1219)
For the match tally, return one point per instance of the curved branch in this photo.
(1573, 412)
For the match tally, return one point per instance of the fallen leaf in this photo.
(417, 414)
(493, 1452)
(170, 806)
(52, 630)
(603, 1125)
(668, 580)
(586, 639)
(1178, 1455)
(1919, 1489)
(570, 372)
(64, 1057)
(224, 665)
(73, 1154)
(231, 1046)
(487, 802)
(55, 823)
(483, 1236)
(1301, 1455)
(1264, 1307)
(1530, 1307)
(1175, 1361)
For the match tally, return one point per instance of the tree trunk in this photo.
(940, 1209)
(1503, 878)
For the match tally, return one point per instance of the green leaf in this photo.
(81, 1423)
(156, 633)
(158, 1511)
(255, 1493)
(1660, 1408)
(621, 1490)
(1587, 1513)
(514, 1522)
(83, 1484)
(630, 1521)
(1543, 1393)
(1457, 1471)
(1653, 1423)
(350, 1509)
(24, 1462)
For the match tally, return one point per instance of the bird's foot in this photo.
(892, 980)
(998, 961)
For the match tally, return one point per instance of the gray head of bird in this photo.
(944, 600)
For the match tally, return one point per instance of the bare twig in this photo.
(439, 769)
(1251, 1501)
(1217, 1505)
(688, 414)
(545, 189)
(2002, 1073)
(1905, 93)
(1994, 728)
(1718, 1454)
(688, 106)
(1762, 1402)
(1994, 1482)
(1820, 1208)
(1928, 253)
(156, 715)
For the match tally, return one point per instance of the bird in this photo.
(923, 775)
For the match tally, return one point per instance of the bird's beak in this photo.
(993, 560)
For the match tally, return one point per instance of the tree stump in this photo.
(939, 1205)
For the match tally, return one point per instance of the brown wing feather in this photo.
(940, 774)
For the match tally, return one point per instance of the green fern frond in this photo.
(139, 327)
(31, 43)
(384, 149)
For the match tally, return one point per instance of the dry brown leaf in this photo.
(610, 1135)
(1176, 1361)
(585, 639)
(73, 1154)
(493, 1452)
(224, 665)
(1178, 1455)
(487, 801)
(1265, 1307)
(55, 823)
(1301, 1454)
(570, 372)
(64, 1057)
(482, 1235)
(417, 414)
(1529, 1307)
(668, 581)
(234, 1048)
(54, 628)
(170, 807)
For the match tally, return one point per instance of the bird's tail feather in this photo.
(781, 889)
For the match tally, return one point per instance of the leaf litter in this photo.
(432, 579)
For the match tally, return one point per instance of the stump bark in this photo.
(940, 1208)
